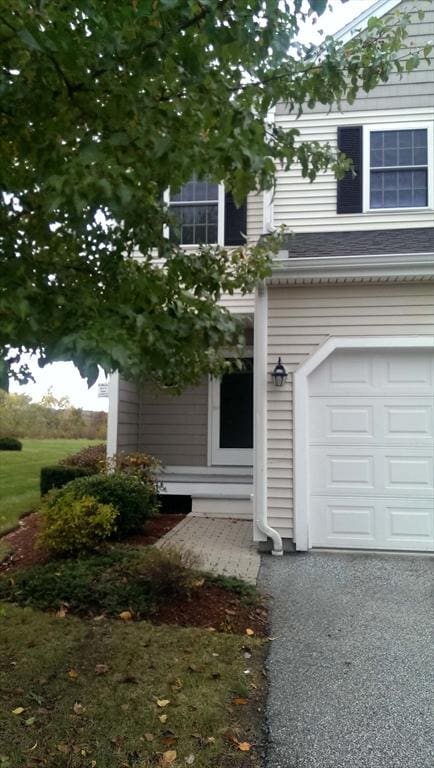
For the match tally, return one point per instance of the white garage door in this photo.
(371, 450)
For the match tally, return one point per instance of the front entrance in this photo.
(232, 417)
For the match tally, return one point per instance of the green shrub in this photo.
(58, 476)
(172, 572)
(93, 457)
(73, 525)
(113, 581)
(134, 500)
(140, 465)
(10, 444)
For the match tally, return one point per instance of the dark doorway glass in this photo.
(236, 408)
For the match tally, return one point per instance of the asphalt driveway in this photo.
(351, 670)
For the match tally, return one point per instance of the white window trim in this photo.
(220, 218)
(367, 130)
(301, 415)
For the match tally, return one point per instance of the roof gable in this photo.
(353, 28)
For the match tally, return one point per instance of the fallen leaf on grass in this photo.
(163, 718)
(126, 615)
(29, 721)
(73, 674)
(240, 701)
(230, 735)
(249, 632)
(169, 741)
(101, 669)
(167, 759)
(194, 668)
(78, 708)
(149, 736)
(190, 759)
(18, 711)
(244, 746)
(163, 702)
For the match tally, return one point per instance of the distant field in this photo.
(19, 475)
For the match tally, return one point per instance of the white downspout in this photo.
(260, 409)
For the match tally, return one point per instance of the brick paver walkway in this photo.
(225, 546)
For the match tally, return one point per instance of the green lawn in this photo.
(19, 475)
(79, 693)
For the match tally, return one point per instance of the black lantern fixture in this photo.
(279, 374)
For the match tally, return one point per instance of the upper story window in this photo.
(399, 169)
(393, 169)
(196, 207)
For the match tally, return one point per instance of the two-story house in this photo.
(339, 451)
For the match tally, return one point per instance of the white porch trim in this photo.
(301, 414)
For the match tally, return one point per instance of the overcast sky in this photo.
(64, 378)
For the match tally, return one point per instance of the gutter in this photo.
(397, 265)
(260, 410)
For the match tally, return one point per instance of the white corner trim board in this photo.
(301, 414)
(112, 419)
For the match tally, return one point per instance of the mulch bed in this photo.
(215, 608)
(211, 606)
(25, 553)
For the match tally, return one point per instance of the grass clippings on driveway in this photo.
(105, 694)
(19, 475)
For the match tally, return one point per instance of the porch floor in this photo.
(225, 546)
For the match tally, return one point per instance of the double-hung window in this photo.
(398, 168)
(196, 210)
(393, 168)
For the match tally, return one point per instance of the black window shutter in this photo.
(350, 188)
(235, 221)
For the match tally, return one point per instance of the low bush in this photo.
(58, 476)
(135, 501)
(113, 581)
(73, 525)
(93, 457)
(10, 444)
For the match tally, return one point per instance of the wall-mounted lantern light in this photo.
(279, 374)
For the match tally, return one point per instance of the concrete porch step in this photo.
(238, 508)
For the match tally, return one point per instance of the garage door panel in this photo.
(404, 473)
(412, 371)
(408, 421)
(371, 467)
(408, 525)
(373, 471)
(343, 523)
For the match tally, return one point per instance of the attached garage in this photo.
(349, 437)
(371, 466)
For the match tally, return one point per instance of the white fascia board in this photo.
(353, 28)
(384, 265)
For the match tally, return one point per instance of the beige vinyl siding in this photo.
(128, 417)
(175, 428)
(302, 318)
(311, 207)
(255, 216)
(412, 89)
(239, 304)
